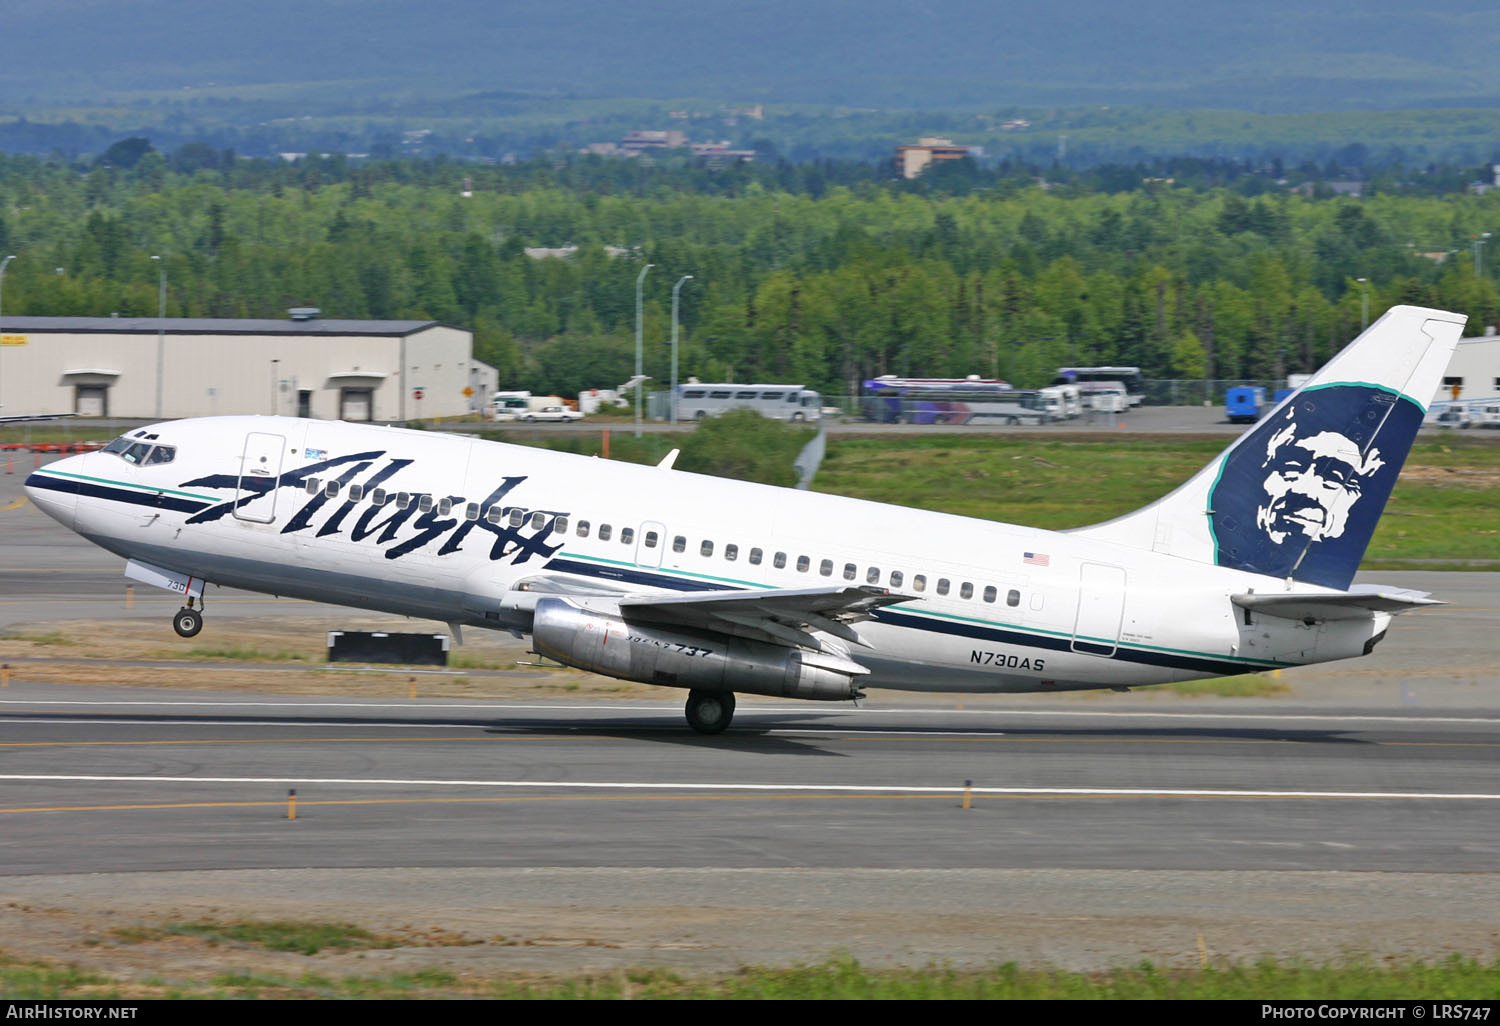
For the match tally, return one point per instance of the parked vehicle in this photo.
(1487, 416)
(552, 413)
(1244, 404)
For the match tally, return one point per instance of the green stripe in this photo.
(126, 484)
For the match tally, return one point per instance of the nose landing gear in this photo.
(187, 621)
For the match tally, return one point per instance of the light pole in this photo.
(675, 288)
(639, 279)
(2, 309)
(161, 332)
(275, 374)
(1478, 252)
(1364, 303)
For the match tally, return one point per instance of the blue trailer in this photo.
(1244, 405)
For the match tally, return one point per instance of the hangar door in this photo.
(1101, 607)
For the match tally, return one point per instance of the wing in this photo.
(792, 617)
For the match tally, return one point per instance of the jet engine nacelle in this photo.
(601, 641)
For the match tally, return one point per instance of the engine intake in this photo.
(601, 641)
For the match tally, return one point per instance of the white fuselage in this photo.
(997, 607)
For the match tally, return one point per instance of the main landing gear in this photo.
(187, 621)
(709, 712)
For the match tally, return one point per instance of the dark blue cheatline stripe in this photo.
(1198, 664)
(1061, 644)
(628, 575)
(152, 500)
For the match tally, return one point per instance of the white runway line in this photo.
(580, 785)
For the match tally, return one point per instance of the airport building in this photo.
(1474, 371)
(148, 367)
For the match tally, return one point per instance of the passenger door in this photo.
(260, 469)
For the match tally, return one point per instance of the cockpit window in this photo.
(141, 453)
(137, 453)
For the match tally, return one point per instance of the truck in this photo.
(1244, 404)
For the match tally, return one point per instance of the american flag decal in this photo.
(1036, 558)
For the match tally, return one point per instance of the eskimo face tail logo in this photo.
(1301, 495)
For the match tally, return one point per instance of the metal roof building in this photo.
(158, 368)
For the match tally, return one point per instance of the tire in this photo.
(187, 622)
(797, 416)
(701, 415)
(709, 712)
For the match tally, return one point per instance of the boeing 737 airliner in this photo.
(652, 574)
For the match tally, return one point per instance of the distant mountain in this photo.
(1272, 55)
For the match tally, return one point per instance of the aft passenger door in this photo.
(260, 469)
(1101, 607)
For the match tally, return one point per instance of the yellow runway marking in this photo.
(17, 504)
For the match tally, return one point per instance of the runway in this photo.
(198, 782)
(1356, 812)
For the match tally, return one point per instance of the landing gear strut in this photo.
(709, 712)
(187, 621)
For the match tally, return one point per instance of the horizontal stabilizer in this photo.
(1355, 604)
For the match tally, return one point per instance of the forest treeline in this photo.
(820, 273)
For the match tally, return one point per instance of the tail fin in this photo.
(1298, 496)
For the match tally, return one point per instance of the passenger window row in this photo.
(849, 571)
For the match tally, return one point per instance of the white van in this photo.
(1062, 401)
(1487, 415)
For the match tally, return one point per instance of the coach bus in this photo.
(779, 402)
(890, 399)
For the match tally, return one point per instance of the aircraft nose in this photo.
(54, 490)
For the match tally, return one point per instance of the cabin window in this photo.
(538, 521)
(896, 578)
(966, 590)
(919, 582)
(627, 535)
(517, 517)
(706, 549)
(826, 568)
(803, 562)
(356, 492)
(679, 544)
(1013, 597)
(779, 561)
(872, 575)
(331, 489)
(161, 454)
(942, 586)
(313, 486)
(651, 539)
(850, 571)
(445, 506)
(425, 504)
(493, 515)
(560, 525)
(755, 557)
(605, 532)
(471, 511)
(731, 552)
(403, 500)
(378, 497)
(989, 593)
(583, 528)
